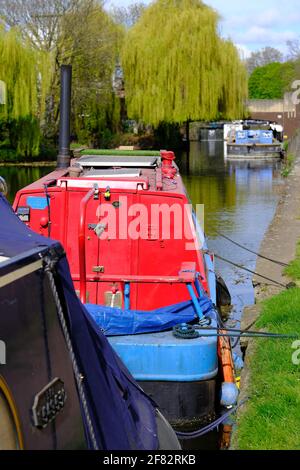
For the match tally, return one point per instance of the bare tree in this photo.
(265, 56)
(128, 16)
(293, 49)
(39, 20)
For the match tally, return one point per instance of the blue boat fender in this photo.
(229, 394)
(238, 361)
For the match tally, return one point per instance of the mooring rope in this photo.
(286, 286)
(280, 263)
(211, 426)
(258, 334)
(78, 377)
(236, 342)
(246, 332)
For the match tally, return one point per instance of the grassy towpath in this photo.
(271, 418)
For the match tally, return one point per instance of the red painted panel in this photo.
(155, 254)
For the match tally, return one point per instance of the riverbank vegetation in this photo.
(293, 270)
(131, 86)
(273, 80)
(25, 74)
(36, 39)
(271, 74)
(271, 417)
(288, 164)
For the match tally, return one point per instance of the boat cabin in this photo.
(126, 224)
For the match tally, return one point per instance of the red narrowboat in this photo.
(140, 264)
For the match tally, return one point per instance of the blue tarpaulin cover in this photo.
(123, 416)
(114, 321)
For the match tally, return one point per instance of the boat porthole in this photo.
(10, 427)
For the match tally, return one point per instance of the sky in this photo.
(253, 24)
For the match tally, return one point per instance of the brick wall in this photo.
(282, 111)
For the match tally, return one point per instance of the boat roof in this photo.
(124, 153)
(122, 161)
(118, 169)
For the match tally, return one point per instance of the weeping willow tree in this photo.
(26, 74)
(234, 83)
(177, 68)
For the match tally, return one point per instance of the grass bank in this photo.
(293, 270)
(288, 165)
(271, 417)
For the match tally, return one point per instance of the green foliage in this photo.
(8, 155)
(176, 67)
(18, 71)
(286, 145)
(84, 36)
(262, 57)
(25, 133)
(234, 88)
(272, 80)
(288, 165)
(26, 75)
(293, 269)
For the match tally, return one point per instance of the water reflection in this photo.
(19, 176)
(240, 199)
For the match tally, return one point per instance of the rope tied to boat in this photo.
(272, 260)
(185, 331)
(49, 266)
(211, 426)
(290, 285)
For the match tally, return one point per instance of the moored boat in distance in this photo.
(139, 262)
(254, 141)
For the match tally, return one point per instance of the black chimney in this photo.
(64, 156)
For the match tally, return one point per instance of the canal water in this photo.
(17, 177)
(239, 199)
